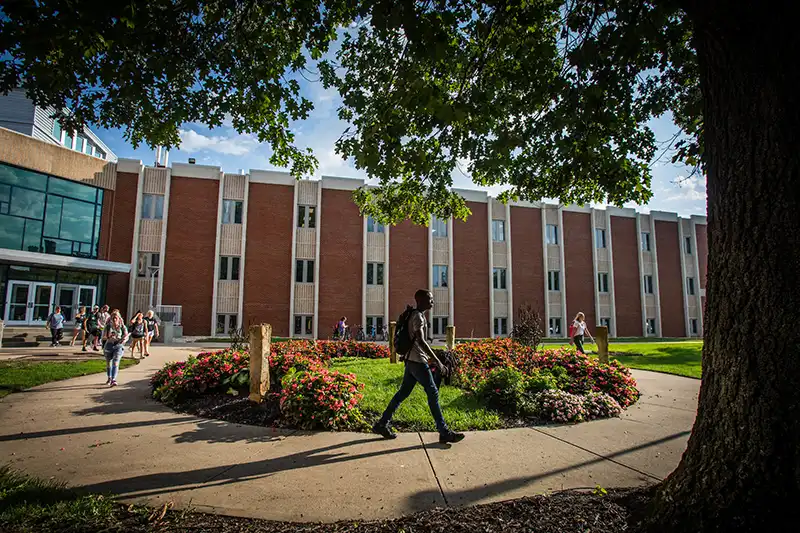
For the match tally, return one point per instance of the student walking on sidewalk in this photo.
(56, 324)
(80, 318)
(417, 358)
(579, 329)
(115, 335)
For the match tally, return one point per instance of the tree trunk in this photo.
(741, 469)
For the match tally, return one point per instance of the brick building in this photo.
(236, 249)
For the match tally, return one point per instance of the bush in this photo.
(282, 362)
(504, 390)
(560, 406)
(208, 372)
(321, 399)
(600, 405)
(540, 380)
(366, 350)
(528, 327)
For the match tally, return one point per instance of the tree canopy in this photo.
(549, 97)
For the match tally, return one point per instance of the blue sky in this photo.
(225, 148)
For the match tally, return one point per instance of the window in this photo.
(148, 265)
(501, 326)
(229, 268)
(303, 325)
(648, 284)
(690, 286)
(68, 140)
(602, 282)
(227, 324)
(304, 271)
(498, 230)
(57, 130)
(232, 211)
(606, 322)
(50, 215)
(552, 234)
(374, 322)
(99, 153)
(555, 326)
(438, 227)
(599, 238)
(374, 273)
(152, 206)
(373, 226)
(440, 275)
(80, 144)
(500, 278)
(306, 216)
(439, 325)
(651, 326)
(645, 241)
(687, 245)
(695, 328)
(553, 281)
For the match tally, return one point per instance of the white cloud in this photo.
(691, 189)
(191, 141)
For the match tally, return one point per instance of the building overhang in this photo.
(20, 257)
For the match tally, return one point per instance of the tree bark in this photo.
(741, 469)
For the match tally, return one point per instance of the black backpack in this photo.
(402, 336)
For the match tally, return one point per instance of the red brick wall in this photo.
(579, 272)
(189, 263)
(341, 261)
(627, 296)
(119, 219)
(670, 279)
(408, 260)
(702, 252)
(470, 263)
(268, 256)
(527, 260)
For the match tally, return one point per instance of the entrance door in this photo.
(29, 302)
(66, 300)
(86, 297)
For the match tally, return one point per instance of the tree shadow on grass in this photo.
(665, 356)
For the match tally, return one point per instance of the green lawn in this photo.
(382, 379)
(20, 375)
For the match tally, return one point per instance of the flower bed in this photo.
(321, 399)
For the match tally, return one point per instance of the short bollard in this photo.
(451, 337)
(260, 347)
(392, 353)
(601, 336)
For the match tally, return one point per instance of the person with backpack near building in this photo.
(577, 330)
(115, 335)
(138, 332)
(80, 318)
(56, 324)
(102, 318)
(91, 329)
(410, 343)
(341, 328)
(152, 330)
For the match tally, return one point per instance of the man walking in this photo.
(418, 371)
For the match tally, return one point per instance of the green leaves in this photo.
(550, 99)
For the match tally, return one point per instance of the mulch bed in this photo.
(564, 512)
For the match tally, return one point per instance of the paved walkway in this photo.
(119, 440)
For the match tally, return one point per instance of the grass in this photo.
(228, 339)
(16, 376)
(680, 358)
(382, 379)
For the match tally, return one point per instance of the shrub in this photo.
(528, 327)
(208, 372)
(366, 350)
(321, 399)
(282, 362)
(600, 405)
(504, 390)
(540, 380)
(560, 406)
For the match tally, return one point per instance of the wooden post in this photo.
(260, 347)
(392, 353)
(451, 337)
(601, 336)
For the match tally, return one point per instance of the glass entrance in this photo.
(29, 302)
(66, 300)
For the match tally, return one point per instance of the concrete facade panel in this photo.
(189, 265)
(471, 273)
(268, 256)
(627, 295)
(702, 252)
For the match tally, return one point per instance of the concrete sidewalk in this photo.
(120, 441)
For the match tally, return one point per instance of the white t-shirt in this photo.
(580, 328)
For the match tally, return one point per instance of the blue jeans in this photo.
(113, 355)
(417, 373)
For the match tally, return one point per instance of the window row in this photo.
(501, 326)
(78, 143)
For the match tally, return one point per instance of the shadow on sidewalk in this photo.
(166, 482)
(90, 429)
(219, 431)
(500, 488)
(127, 397)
